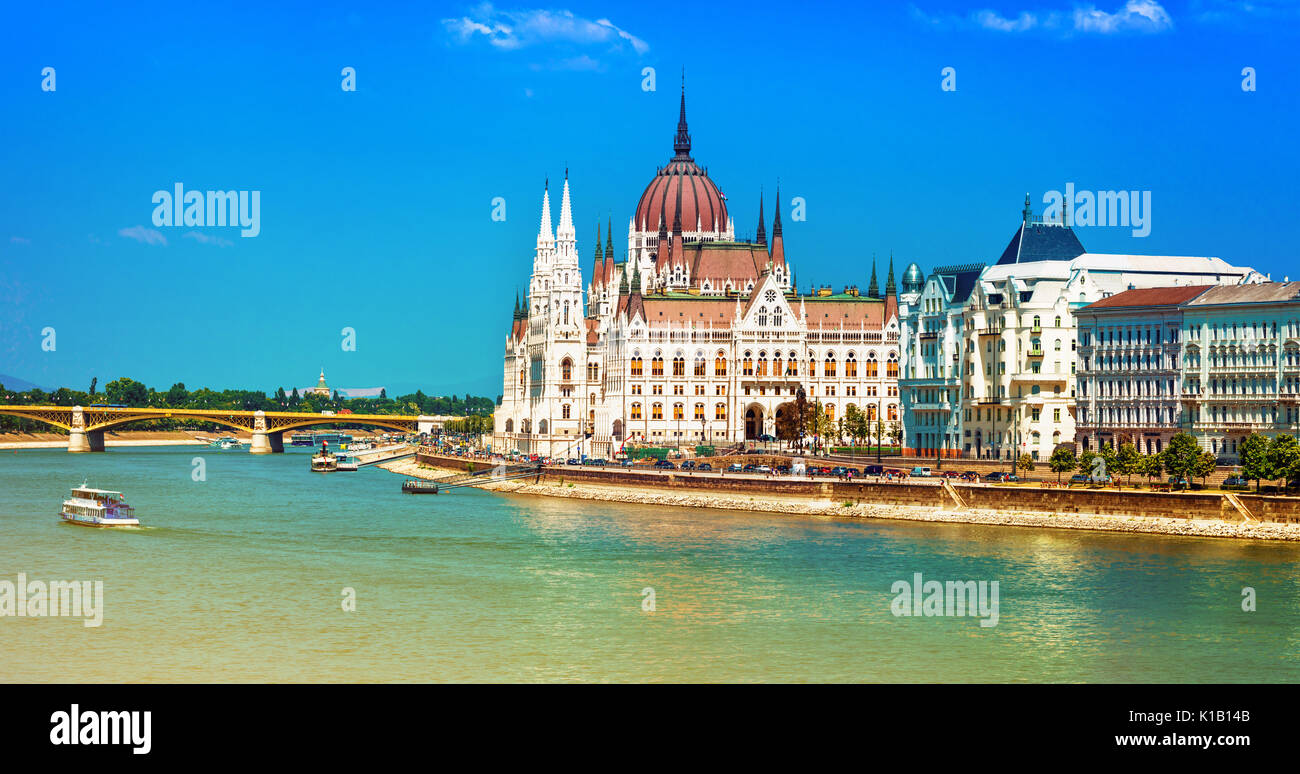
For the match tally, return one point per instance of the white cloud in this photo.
(1134, 16)
(207, 239)
(20, 240)
(509, 30)
(149, 236)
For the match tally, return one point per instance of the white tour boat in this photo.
(98, 508)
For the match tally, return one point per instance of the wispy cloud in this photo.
(515, 29)
(1135, 16)
(17, 240)
(148, 236)
(207, 239)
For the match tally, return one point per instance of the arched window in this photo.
(699, 411)
(828, 369)
(872, 367)
(564, 411)
(776, 317)
(1038, 323)
(762, 316)
(762, 364)
(851, 366)
(510, 425)
(657, 365)
(1058, 321)
(657, 411)
(636, 410)
(566, 370)
(700, 364)
(893, 412)
(636, 365)
(891, 367)
(747, 365)
(720, 411)
(792, 365)
(679, 366)
(679, 411)
(830, 411)
(719, 364)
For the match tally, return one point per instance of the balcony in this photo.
(929, 335)
(1036, 329)
(990, 400)
(1038, 376)
(1035, 352)
(991, 331)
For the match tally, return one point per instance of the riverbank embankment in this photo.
(1198, 514)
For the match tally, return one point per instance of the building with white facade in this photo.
(695, 338)
(1219, 362)
(1015, 339)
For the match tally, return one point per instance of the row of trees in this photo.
(855, 424)
(1275, 460)
(129, 392)
(1182, 458)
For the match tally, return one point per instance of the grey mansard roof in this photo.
(1042, 242)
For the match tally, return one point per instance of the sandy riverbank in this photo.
(124, 438)
(804, 506)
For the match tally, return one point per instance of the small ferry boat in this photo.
(415, 486)
(324, 462)
(302, 439)
(346, 462)
(228, 442)
(98, 508)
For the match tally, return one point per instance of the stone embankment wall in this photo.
(925, 493)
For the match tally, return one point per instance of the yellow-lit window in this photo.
(679, 411)
(679, 366)
(720, 411)
(719, 365)
(657, 411)
(656, 366)
(699, 411)
(636, 410)
(636, 366)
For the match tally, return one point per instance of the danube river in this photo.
(241, 577)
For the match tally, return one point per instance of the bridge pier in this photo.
(85, 441)
(267, 443)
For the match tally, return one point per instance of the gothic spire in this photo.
(565, 230)
(890, 288)
(544, 234)
(776, 219)
(873, 290)
(609, 243)
(682, 142)
(762, 233)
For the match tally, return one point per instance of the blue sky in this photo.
(376, 204)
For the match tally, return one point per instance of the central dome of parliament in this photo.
(704, 208)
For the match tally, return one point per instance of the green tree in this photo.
(1153, 466)
(1127, 461)
(1062, 461)
(1183, 456)
(177, 396)
(1085, 461)
(128, 392)
(1026, 462)
(1252, 452)
(1283, 451)
(1206, 465)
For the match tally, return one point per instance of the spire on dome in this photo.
(873, 290)
(762, 232)
(682, 142)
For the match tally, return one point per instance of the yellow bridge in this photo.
(86, 426)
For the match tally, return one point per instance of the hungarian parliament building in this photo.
(695, 337)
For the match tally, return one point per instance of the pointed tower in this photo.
(566, 237)
(761, 238)
(682, 142)
(777, 252)
(891, 293)
(677, 256)
(873, 290)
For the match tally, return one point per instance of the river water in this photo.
(241, 577)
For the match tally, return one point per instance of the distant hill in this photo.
(16, 384)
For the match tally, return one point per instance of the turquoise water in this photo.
(240, 578)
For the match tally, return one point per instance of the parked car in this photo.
(1179, 481)
(572, 461)
(970, 475)
(1079, 478)
(763, 469)
(735, 467)
(874, 470)
(921, 471)
(839, 470)
(853, 473)
(996, 476)
(751, 467)
(627, 463)
(665, 464)
(1235, 482)
(597, 461)
(783, 469)
(704, 466)
(688, 465)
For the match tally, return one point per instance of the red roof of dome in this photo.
(702, 203)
